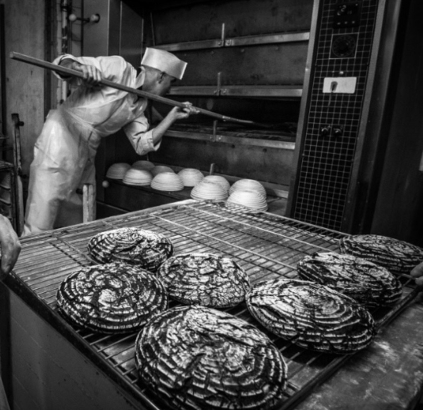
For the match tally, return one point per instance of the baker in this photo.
(10, 249)
(65, 150)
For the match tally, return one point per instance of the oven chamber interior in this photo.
(246, 59)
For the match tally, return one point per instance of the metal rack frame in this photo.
(243, 41)
(265, 245)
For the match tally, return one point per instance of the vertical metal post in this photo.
(64, 43)
(153, 37)
(88, 203)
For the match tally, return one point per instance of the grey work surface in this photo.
(385, 376)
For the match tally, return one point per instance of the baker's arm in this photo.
(175, 114)
(92, 74)
(10, 246)
(155, 116)
(144, 140)
(417, 273)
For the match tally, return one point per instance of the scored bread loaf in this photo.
(196, 357)
(364, 281)
(311, 315)
(111, 298)
(131, 245)
(205, 279)
(397, 256)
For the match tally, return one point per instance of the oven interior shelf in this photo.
(280, 136)
(266, 246)
(247, 60)
(231, 53)
(230, 90)
(278, 91)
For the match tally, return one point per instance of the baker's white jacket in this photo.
(65, 150)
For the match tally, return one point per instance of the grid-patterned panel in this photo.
(266, 246)
(326, 165)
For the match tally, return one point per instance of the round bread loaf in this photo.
(312, 316)
(204, 279)
(195, 357)
(111, 298)
(364, 281)
(131, 245)
(397, 256)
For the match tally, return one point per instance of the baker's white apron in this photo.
(63, 162)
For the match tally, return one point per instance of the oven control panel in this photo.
(347, 15)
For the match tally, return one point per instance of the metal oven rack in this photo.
(266, 246)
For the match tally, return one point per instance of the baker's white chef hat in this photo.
(164, 61)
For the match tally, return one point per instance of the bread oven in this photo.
(326, 155)
(246, 59)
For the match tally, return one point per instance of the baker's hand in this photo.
(417, 272)
(92, 75)
(10, 246)
(182, 113)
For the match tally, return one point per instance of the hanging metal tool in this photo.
(167, 101)
(17, 123)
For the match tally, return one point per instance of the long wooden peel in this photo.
(67, 71)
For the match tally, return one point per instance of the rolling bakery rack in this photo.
(265, 245)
